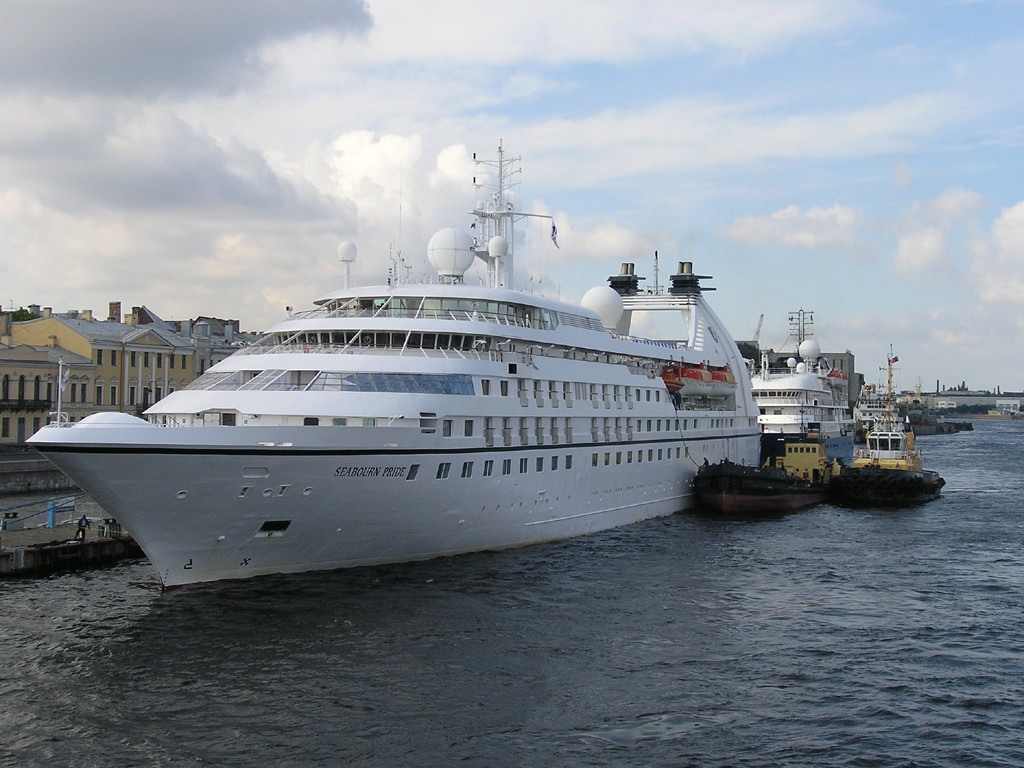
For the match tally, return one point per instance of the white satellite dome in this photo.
(497, 247)
(606, 302)
(809, 349)
(347, 252)
(450, 252)
(791, 363)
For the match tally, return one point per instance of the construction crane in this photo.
(757, 333)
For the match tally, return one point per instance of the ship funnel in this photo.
(626, 283)
(684, 282)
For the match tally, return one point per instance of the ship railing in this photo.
(457, 315)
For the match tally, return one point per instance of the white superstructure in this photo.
(408, 421)
(797, 393)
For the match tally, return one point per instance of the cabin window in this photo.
(467, 469)
(488, 468)
(540, 463)
(506, 467)
(446, 428)
(311, 421)
(568, 461)
(524, 466)
(469, 428)
(485, 386)
(504, 388)
(443, 469)
(413, 471)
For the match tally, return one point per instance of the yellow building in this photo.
(129, 365)
(29, 389)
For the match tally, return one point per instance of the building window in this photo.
(113, 357)
(159, 359)
(131, 359)
(5, 427)
(99, 395)
(113, 395)
(184, 363)
(145, 359)
(170, 359)
(99, 357)
(74, 392)
(131, 394)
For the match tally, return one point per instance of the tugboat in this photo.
(889, 471)
(794, 474)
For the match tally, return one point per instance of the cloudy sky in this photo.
(859, 158)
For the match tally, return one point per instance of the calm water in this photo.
(828, 637)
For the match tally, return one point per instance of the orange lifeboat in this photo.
(687, 380)
(723, 381)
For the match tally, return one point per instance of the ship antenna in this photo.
(496, 218)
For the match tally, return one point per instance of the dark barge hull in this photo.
(732, 489)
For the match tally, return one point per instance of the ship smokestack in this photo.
(626, 283)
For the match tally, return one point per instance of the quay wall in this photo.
(29, 473)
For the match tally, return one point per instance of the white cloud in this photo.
(581, 31)
(919, 251)
(835, 227)
(998, 268)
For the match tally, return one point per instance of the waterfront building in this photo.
(29, 379)
(132, 362)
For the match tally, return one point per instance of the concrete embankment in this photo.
(28, 472)
(39, 535)
(43, 551)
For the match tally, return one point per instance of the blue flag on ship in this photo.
(554, 234)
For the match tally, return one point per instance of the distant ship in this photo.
(798, 393)
(408, 421)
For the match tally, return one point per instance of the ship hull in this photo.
(226, 511)
(878, 487)
(731, 489)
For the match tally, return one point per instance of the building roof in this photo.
(120, 333)
(31, 353)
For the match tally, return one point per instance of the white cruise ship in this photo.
(799, 394)
(403, 422)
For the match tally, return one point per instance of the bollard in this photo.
(51, 515)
